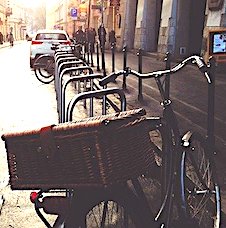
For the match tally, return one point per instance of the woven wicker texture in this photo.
(97, 151)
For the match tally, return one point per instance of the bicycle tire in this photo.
(199, 190)
(117, 207)
(155, 187)
(44, 68)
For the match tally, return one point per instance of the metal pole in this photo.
(140, 63)
(91, 55)
(88, 62)
(211, 104)
(102, 38)
(167, 77)
(104, 105)
(88, 24)
(73, 29)
(98, 59)
(113, 57)
(124, 66)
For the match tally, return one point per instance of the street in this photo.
(25, 104)
(28, 104)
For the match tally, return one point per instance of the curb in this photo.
(7, 44)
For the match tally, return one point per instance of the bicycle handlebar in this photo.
(155, 74)
(111, 77)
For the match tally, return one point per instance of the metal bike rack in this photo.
(63, 92)
(65, 65)
(94, 94)
(69, 70)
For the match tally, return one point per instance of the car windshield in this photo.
(51, 36)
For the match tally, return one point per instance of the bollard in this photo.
(103, 59)
(87, 53)
(113, 57)
(124, 50)
(98, 58)
(84, 53)
(167, 77)
(140, 64)
(91, 55)
(211, 103)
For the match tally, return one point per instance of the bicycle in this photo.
(187, 161)
(131, 195)
(92, 195)
(44, 65)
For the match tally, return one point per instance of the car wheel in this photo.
(31, 63)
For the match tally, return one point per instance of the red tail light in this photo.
(66, 42)
(36, 42)
(33, 197)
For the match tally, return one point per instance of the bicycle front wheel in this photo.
(200, 192)
(44, 68)
(115, 208)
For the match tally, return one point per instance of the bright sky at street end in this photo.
(36, 3)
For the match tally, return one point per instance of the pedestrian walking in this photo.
(10, 38)
(86, 40)
(102, 36)
(92, 39)
(112, 38)
(1, 38)
(79, 36)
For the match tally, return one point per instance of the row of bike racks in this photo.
(70, 69)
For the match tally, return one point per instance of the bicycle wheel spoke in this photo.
(200, 192)
(104, 214)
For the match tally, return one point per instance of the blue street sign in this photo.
(74, 12)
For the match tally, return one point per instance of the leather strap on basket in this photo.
(47, 141)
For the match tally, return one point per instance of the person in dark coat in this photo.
(102, 35)
(1, 38)
(79, 36)
(92, 39)
(112, 38)
(86, 41)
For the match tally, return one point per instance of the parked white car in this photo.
(43, 40)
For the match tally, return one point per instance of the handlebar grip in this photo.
(110, 78)
(200, 63)
(203, 68)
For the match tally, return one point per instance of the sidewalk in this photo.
(7, 44)
(188, 92)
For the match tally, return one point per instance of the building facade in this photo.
(70, 14)
(12, 19)
(16, 21)
(3, 17)
(177, 26)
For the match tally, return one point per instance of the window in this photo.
(217, 42)
(215, 4)
(51, 36)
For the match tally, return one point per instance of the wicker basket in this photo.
(96, 151)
